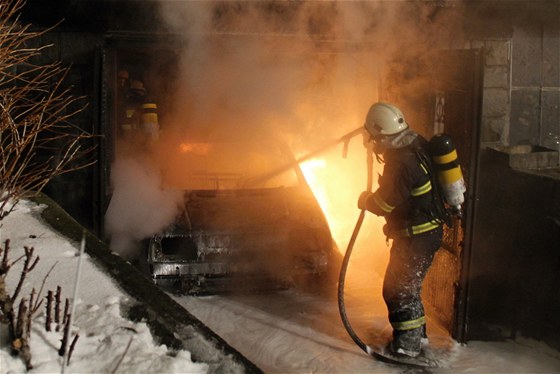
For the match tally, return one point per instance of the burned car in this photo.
(249, 220)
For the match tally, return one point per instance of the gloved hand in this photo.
(362, 199)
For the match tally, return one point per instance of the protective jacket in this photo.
(405, 194)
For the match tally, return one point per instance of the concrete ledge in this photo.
(529, 157)
(170, 323)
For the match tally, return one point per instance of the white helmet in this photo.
(384, 119)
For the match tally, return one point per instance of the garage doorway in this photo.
(132, 71)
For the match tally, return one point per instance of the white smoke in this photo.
(139, 207)
(257, 63)
(300, 68)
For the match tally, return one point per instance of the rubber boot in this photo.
(408, 342)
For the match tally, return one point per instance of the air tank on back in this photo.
(444, 156)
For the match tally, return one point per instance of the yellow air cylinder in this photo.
(149, 119)
(450, 177)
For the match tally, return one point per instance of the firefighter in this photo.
(134, 98)
(405, 198)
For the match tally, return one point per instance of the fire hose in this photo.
(346, 260)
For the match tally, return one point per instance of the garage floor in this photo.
(292, 331)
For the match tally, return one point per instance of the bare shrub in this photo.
(37, 139)
(18, 320)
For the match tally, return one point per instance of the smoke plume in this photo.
(305, 71)
(139, 206)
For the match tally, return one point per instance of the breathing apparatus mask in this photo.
(377, 143)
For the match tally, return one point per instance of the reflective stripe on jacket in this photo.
(404, 196)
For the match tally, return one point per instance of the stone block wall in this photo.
(535, 89)
(521, 92)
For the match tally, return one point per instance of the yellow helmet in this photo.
(384, 119)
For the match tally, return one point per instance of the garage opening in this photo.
(443, 96)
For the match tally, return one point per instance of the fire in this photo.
(196, 148)
(313, 170)
(336, 183)
(333, 182)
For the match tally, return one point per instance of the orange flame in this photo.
(336, 183)
(196, 148)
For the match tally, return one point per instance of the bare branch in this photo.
(57, 308)
(38, 304)
(4, 267)
(28, 265)
(30, 312)
(65, 313)
(48, 320)
(71, 349)
(65, 335)
(37, 138)
(21, 341)
(123, 355)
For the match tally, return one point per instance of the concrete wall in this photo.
(535, 85)
(521, 100)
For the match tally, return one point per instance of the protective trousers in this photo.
(408, 264)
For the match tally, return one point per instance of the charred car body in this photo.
(248, 220)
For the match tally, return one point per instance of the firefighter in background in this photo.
(149, 120)
(138, 119)
(405, 198)
(123, 83)
(133, 100)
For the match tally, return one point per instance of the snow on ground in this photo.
(298, 333)
(107, 342)
(288, 332)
